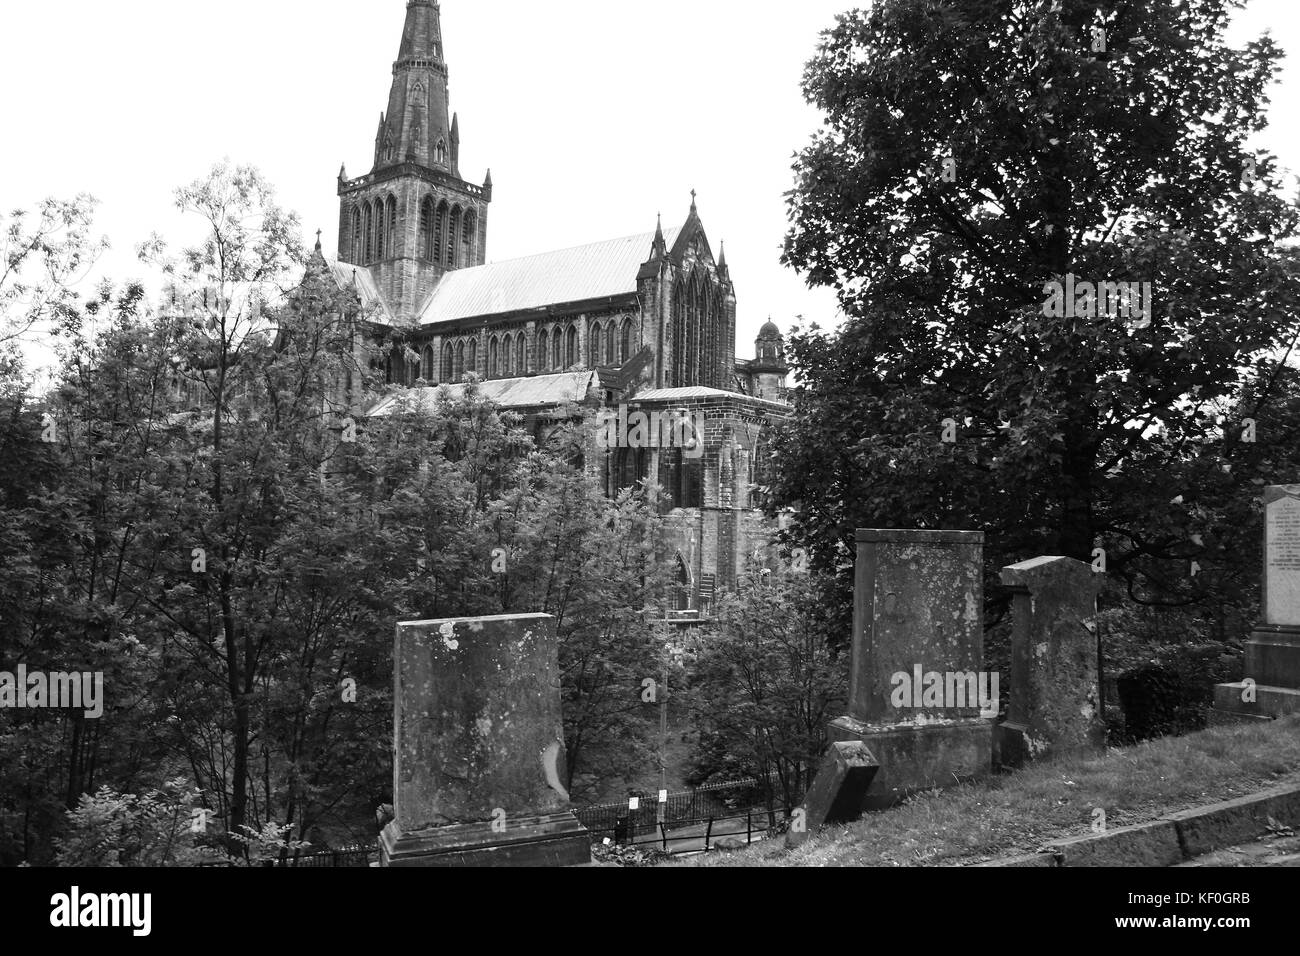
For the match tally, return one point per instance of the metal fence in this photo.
(346, 856)
(734, 800)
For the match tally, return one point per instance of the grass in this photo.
(1017, 813)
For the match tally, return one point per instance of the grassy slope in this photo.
(1019, 812)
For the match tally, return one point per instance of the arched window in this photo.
(507, 356)
(426, 229)
(381, 228)
(557, 349)
(428, 372)
(459, 369)
(571, 348)
(390, 221)
(440, 232)
(368, 228)
(448, 363)
(543, 354)
(521, 355)
(611, 350)
(682, 586)
(467, 238)
(358, 241)
(679, 334)
(593, 344)
(440, 153)
(492, 368)
(455, 232)
(471, 356)
(625, 350)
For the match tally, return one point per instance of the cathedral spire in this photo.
(416, 128)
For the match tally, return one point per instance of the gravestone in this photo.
(838, 792)
(918, 616)
(478, 762)
(1055, 704)
(1271, 685)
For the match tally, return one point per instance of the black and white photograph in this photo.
(507, 437)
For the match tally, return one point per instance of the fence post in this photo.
(708, 834)
(749, 832)
(663, 830)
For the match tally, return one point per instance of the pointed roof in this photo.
(596, 271)
(417, 121)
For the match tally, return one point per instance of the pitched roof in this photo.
(541, 390)
(695, 391)
(348, 276)
(594, 271)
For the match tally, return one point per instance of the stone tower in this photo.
(769, 366)
(413, 218)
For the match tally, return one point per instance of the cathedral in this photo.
(641, 323)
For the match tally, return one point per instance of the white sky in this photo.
(593, 115)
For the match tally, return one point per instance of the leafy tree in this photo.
(764, 685)
(976, 152)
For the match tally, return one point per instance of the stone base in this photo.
(839, 791)
(556, 839)
(915, 757)
(1273, 655)
(1269, 704)
(1011, 745)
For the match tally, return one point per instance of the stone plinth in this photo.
(918, 613)
(839, 791)
(1271, 686)
(479, 746)
(1055, 703)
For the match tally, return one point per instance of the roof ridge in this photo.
(647, 236)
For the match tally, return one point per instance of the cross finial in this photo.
(692, 199)
(318, 232)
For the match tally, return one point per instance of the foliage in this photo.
(975, 152)
(764, 685)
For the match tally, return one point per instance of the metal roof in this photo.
(693, 391)
(594, 271)
(541, 390)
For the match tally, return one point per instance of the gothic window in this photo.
(542, 354)
(439, 232)
(440, 153)
(380, 229)
(557, 349)
(610, 350)
(358, 242)
(593, 346)
(455, 234)
(507, 356)
(571, 348)
(467, 238)
(521, 355)
(390, 221)
(682, 586)
(448, 364)
(679, 334)
(626, 350)
(428, 371)
(459, 369)
(426, 228)
(472, 356)
(369, 248)
(492, 369)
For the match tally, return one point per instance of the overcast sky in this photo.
(593, 115)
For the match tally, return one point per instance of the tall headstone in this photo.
(1271, 686)
(918, 661)
(478, 765)
(1055, 700)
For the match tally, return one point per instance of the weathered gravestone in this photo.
(1055, 704)
(1271, 686)
(918, 655)
(479, 747)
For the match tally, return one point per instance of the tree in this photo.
(764, 685)
(974, 154)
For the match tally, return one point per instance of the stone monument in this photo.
(1055, 699)
(478, 764)
(917, 680)
(1271, 685)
